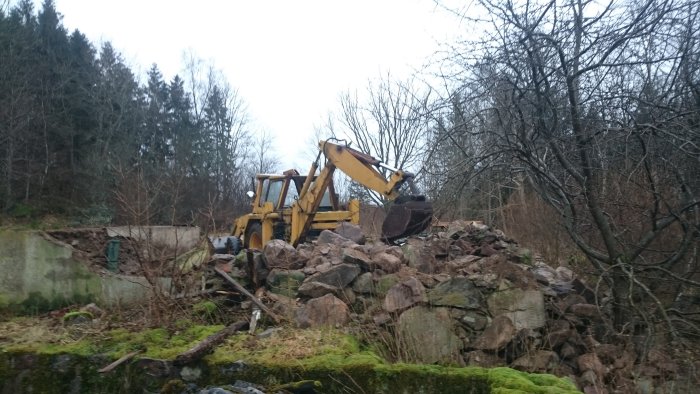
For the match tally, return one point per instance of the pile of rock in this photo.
(467, 296)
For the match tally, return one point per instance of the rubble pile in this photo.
(466, 296)
(89, 245)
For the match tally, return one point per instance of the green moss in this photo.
(36, 303)
(385, 283)
(158, 342)
(76, 315)
(449, 299)
(206, 310)
(506, 380)
(340, 364)
(334, 359)
(286, 283)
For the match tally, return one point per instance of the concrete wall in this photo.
(183, 238)
(36, 269)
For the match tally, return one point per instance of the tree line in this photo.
(80, 136)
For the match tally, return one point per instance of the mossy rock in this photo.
(77, 317)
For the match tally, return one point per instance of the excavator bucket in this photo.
(407, 218)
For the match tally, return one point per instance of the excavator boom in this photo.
(408, 214)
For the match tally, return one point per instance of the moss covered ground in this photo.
(337, 361)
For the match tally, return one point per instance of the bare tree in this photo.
(264, 157)
(391, 125)
(598, 106)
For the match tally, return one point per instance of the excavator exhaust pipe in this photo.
(407, 217)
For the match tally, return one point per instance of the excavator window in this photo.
(326, 204)
(292, 194)
(265, 186)
(274, 191)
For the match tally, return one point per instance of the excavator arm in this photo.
(409, 214)
(363, 169)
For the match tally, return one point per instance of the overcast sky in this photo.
(289, 60)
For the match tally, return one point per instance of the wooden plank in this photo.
(119, 362)
(253, 298)
(205, 346)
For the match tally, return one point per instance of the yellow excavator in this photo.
(294, 207)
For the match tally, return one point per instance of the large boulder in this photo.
(283, 306)
(479, 358)
(315, 289)
(474, 320)
(323, 311)
(328, 237)
(525, 308)
(364, 284)
(386, 262)
(279, 254)
(338, 276)
(428, 335)
(419, 256)
(497, 335)
(456, 292)
(357, 257)
(352, 232)
(537, 361)
(404, 295)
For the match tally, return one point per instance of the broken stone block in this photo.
(474, 320)
(525, 308)
(568, 351)
(428, 335)
(404, 295)
(364, 284)
(357, 257)
(386, 262)
(419, 256)
(384, 283)
(352, 232)
(339, 275)
(479, 358)
(497, 335)
(565, 303)
(323, 311)
(279, 254)
(538, 360)
(586, 311)
(328, 237)
(591, 362)
(283, 306)
(457, 292)
(315, 289)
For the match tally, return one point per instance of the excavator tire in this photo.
(406, 217)
(253, 236)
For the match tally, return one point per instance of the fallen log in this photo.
(203, 347)
(119, 362)
(245, 292)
